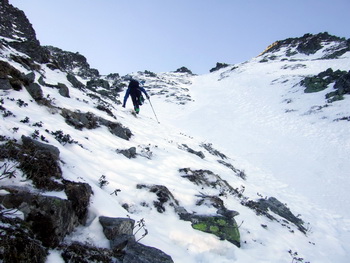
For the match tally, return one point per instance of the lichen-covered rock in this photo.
(223, 227)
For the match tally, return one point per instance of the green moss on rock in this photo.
(223, 227)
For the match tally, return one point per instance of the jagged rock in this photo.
(12, 75)
(88, 120)
(310, 44)
(183, 70)
(237, 172)
(190, 150)
(40, 162)
(129, 153)
(72, 62)
(80, 120)
(35, 91)
(138, 253)
(341, 86)
(322, 80)
(163, 194)
(206, 178)
(212, 151)
(79, 194)
(18, 242)
(27, 62)
(219, 66)
(227, 213)
(210, 200)
(74, 81)
(119, 130)
(282, 210)
(50, 218)
(16, 26)
(95, 83)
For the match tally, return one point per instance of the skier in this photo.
(134, 90)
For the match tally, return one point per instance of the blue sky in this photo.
(124, 36)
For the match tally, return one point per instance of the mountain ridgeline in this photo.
(36, 78)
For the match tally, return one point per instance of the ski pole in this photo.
(153, 109)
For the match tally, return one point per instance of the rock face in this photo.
(69, 61)
(50, 218)
(15, 25)
(88, 120)
(219, 66)
(310, 44)
(18, 242)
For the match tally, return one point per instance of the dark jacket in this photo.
(134, 90)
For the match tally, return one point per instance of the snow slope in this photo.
(299, 156)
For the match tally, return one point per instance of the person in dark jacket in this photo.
(134, 90)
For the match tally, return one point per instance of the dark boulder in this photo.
(40, 163)
(80, 120)
(35, 91)
(138, 253)
(119, 231)
(79, 194)
(118, 130)
(63, 90)
(5, 84)
(128, 153)
(50, 218)
(18, 242)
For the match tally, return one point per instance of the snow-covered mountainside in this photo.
(248, 163)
